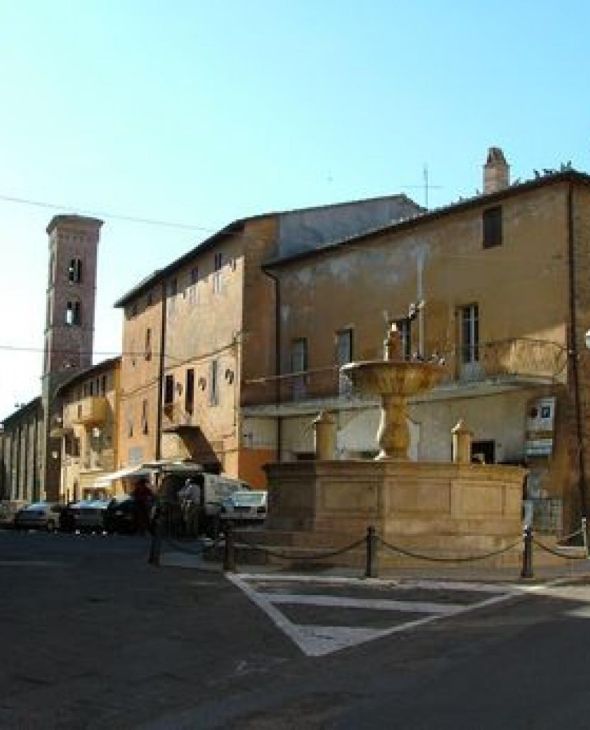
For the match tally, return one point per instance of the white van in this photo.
(193, 497)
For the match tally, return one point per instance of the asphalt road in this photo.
(91, 636)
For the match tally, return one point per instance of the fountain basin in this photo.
(393, 377)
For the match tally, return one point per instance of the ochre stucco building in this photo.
(504, 282)
(89, 431)
(197, 332)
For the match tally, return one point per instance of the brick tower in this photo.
(69, 327)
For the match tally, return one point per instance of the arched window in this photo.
(73, 313)
(75, 271)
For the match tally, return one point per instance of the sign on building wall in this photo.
(540, 426)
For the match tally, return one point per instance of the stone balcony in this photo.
(498, 365)
(92, 411)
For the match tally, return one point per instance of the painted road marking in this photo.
(314, 639)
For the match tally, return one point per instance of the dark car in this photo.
(122, 516)
(88, 515)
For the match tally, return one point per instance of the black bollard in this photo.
(229, 553)
(527, 553)
(156, 542)
(371, 570)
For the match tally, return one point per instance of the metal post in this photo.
(527, 553)
(229, 553)
(156, 542)
(585, 535)
(372, 569)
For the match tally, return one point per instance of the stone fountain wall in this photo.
(443, 509)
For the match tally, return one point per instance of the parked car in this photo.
(242, 508)
(8, 510)
(39, 516)
(120, 516)
(88, 515)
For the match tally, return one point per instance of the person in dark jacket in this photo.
(144, 497)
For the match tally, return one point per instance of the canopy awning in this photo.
(129, 471)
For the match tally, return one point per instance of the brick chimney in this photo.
(496, 171)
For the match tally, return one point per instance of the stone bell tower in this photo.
(69, 327)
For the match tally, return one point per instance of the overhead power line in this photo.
(106, 214)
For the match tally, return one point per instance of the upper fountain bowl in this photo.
(403, 378)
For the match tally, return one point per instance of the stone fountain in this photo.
(433, 508)
(394, 380)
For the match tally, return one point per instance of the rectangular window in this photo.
(213, 382)
(299, 365)
(492, 227)
(470, 334)
(343, 356)
(75, 271)
(73, 313)
(144, 417)
(189, 391)
(405, 329)
(148, 344)
(193, 291)
(172, 292)
(169, 390)
(217, 265)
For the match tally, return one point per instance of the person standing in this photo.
(144, 497)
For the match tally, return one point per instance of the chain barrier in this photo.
(290, 556)
(572, 534)
(456, 559)
(547, 549)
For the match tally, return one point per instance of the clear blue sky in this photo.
(199, 112)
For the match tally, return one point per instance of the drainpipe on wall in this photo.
(277, 358)
(161, 374)
(573, 351)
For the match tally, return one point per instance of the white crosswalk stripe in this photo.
(322, 615)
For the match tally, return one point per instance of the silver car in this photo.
(244, 507)
(39, 516)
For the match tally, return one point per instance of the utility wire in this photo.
(105, 214)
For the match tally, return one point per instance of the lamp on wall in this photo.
(202, 383)
(229, 376)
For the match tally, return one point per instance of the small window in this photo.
(75, 271)
(103, 385)
(193, 291)
(217, 266)
(299, 365)
(73, 313)
(492, 227)
(404, 327)
(144, 417)
(189, 391)
(148, 344)
(213, 382)
(343, 356)
(172, 292)
(470, 334)
(169, 390)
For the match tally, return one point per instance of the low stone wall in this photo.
(439, 509)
